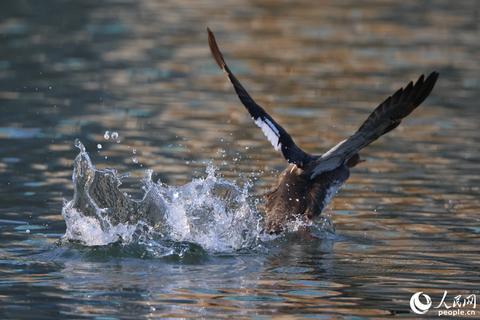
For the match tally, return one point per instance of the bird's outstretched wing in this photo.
(386, 117)
(277, 136)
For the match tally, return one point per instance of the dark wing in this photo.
(386, 117)
(277, 136)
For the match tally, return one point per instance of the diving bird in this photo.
(310, 181)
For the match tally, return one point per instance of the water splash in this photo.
(113, 136)
(211, 212)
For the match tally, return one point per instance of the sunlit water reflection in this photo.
(407, 220)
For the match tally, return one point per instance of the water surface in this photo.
(407, 221)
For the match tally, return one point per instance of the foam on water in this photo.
(211, 212)
(89, 230)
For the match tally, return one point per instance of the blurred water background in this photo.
(407, 221)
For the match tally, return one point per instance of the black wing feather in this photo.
(386, 117)
(279, 138)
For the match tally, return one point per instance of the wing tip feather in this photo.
(215, 50)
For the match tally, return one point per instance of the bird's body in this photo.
(296, 196)
(309, 182)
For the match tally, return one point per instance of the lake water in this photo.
(407, 221)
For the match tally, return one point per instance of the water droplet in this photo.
(134, 159)
(79, 145)
(49, 87)
(134, 151)
(106, 136)
(27, 231)
(99, 146)
(114, 135)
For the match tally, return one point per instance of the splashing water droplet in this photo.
(147, 178)
(99, 146)
(79, 145)
(114, 135)
(134, 158)
(106, 135)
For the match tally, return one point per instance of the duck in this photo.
(309, 182)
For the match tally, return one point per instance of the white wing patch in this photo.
(270, 131)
